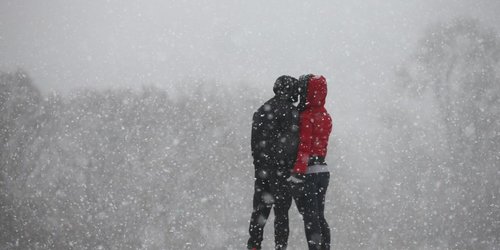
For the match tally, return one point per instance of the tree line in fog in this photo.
(128, 169)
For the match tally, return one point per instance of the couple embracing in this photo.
(289, 146)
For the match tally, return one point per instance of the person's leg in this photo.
(261, 210)
(297, 192)
(324, 179)
(311, 218)
(283, 201)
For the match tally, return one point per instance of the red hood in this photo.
(316, 91)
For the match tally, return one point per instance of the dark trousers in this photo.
(269, 193)
(310, 199)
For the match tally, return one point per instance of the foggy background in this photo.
(125, 124)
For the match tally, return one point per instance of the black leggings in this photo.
(310, 200)
(268, 193)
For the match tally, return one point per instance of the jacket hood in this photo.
(313, 91)
(286, 87)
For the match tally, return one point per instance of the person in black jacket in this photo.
(274, 142)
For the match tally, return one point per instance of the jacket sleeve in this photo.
(288, 132)
(255, 137)
(305, 128)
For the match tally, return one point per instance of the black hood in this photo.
(286, 87)
(302, 90)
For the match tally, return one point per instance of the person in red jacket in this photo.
(310, 175)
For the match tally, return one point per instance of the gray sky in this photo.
(66, 44)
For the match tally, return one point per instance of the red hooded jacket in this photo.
(315, 124)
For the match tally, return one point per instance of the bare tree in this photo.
(445, 120)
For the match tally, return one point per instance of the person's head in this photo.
(286, 87)
(312, 90)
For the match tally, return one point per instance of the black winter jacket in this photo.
(275, 137)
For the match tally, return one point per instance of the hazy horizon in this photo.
(412, 89)
(66, 45)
